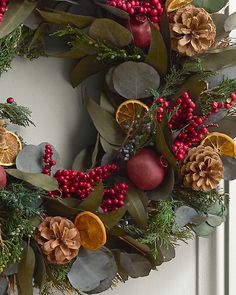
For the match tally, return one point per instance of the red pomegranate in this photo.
(139, 26)
(146, 170)
(3, 177)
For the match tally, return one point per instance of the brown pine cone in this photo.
(192, 30)
(58, 239)
(202, 169)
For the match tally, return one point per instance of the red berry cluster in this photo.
(216, 106)
(47, 159)
(162, 105)
(3, 7)
(153, 9)
(113, 198)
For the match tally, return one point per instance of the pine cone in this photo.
(202, 169)
(58, 239)
(192, 30)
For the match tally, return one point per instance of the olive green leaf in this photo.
(83, 160)
(17, 12)
(106, 104)
(25, 271)
(210, 5)
(40, 273)
(37, 179)
(165, 32)
(94, 200)
(65, 18)
(104, 122)
(113, 10)
(157, 55)
(105, 29)
(219, 21)
(112, 218)
(107, 147)
(230, 22)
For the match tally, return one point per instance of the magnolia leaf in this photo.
(64, 18)
(203, 230)
(105, 29)
(229, 168)
(157, 55)
(135, 265)
(17, 12)
(30, 159)
(165, 32)
(104, 122)
(133, 79)
(164, 191)
(25, 271)
(112, 218)
(106, 104)
(230, 22)
(136, 208)
(114, 10)
(40, 273)
(107, 147)
(219, 21)
(92, 270)
(210, 5)
(83, 160)
(94, 200)
(183, 216)
(226, 125)
(57, 207)
(215, 117)
(37, 179)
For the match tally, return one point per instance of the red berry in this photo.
(10, 100)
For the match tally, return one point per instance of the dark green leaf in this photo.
(95, 152)
(229, 168)
(164, 191)
(64, 18)
(112, 218)
(83, 159)
(40, 273)
(210, 5)
(157, 55)
(136, 208)
(37, 179)
(17, 12)
(115, 11)
(86, 67)
(133, 79)
(135, 265)
(105, 29)
(104, 123)
(25, 271)
(93, 271)
(94, 200)
(165, 32)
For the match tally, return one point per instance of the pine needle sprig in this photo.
(16, 114)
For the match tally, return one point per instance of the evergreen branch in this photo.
(16, 114)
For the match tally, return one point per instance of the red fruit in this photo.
(3, 177)
(140, 28)
(146, 170)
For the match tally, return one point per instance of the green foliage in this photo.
(16, 114)
(219, 94)
(104, 51)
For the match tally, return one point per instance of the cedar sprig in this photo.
(16, 114)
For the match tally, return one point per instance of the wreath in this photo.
(165, 127)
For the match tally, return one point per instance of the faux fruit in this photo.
(140, 28)
(146, 170)
(3, 177)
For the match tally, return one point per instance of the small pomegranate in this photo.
(146, 169)
(3, 177)
(140, 28)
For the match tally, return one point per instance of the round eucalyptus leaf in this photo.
(203, 230)
(133, 80)
(214, 220)
(183, 216)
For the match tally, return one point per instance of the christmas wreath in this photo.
(165, 139)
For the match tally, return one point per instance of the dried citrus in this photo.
(92, 230)
(173, 5)
(129, 111)
(10, 149)
(221, 143)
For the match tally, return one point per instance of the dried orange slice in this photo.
(92, 230)
(129, 112)
(173, 5)
(221, 143)
(10, 149)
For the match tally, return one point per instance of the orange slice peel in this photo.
(172, 5)
(10, 149)
(223, 144)
(92, 230)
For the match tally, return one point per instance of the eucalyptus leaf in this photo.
(210, 5)
(94, 200)
(108, 158)
(77, 51)
(215, 117)
(64, 18)
(183, 216)
(104, 123)
(17, 12)
(226, 126)
(214, 220)
(107, 147)
(136, 208)
(25, 271)
(105, 29)
(37, 179)
(3, 286)
(164, 191)
(157, 55)
(106, 104)
(133, 79)
(135, 265)
(216, 209)
(109, 79)
(230, 22)
(11, 270)
(203, 230)
(92, 270)
(86, 67)
(167, 252)
(229, 168)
